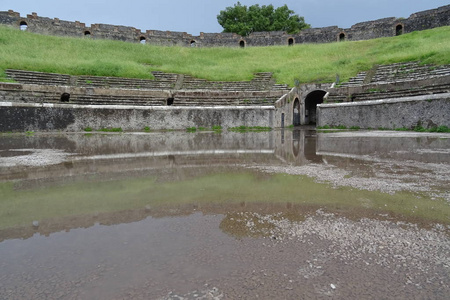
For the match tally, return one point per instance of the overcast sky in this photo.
(195, 16)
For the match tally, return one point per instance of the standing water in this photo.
(271, 215)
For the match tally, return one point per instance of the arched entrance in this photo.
(399, 30)
(23, 25)
(296, 110)
(311, 101)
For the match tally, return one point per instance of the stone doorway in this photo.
(311, 101)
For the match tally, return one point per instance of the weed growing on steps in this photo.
(249, 129)
(118, 129)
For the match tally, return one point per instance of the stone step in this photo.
(261, 81)
(95, 100)
(402, 93)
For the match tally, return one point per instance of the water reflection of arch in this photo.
(299, 147)
(312, 99)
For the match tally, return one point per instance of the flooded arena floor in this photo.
(294, 214)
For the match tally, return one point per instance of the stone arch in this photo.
(290, 42)
(242, 43)
(142, 40)
(342, 37)
(312, 99)
(23, 25)
(296, 112)
(193, 44)
(87, 33)
(399, 29)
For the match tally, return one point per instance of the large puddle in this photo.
(291, 214)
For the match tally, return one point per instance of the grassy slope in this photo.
(306, 62)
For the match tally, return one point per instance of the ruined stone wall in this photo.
(427, 111)
(362, 31)
(70, 117)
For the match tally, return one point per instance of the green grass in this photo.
(338, 127)
(305, 62)
(249, 128)
(118, 129)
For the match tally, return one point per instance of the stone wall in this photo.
(362, 31)
(427, 111)
(67, 117)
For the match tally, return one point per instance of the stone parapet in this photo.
(427, 111)
(362, 31)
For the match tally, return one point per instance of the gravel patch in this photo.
(37, 158)
(384, 243)
(389, 177)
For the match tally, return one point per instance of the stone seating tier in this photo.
(388, 94)
(376, 95)
(30, 96)
(162, 81)
(398, 72)
(12, 92)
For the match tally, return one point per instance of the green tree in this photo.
(244, 20)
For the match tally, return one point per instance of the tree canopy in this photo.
(244, 20)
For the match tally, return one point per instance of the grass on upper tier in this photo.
(305, 62)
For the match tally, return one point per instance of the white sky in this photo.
(195, 16)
